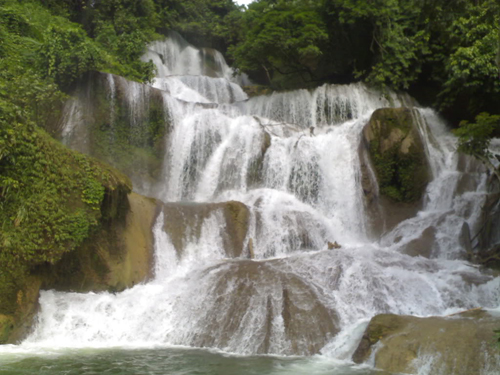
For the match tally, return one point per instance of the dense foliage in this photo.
(50, 200)
(444, 52)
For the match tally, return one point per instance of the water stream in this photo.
(302, 189)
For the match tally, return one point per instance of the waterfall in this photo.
(293, 160)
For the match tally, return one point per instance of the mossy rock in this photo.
(116, 257)
(257, 90)
(16, 325)
(120, 122)
(6, 326)
(397, 154)
(461, 344)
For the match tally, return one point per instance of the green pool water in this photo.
(178, 361)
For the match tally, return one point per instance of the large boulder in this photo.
(118, 256)
(184, 223)
(256, 303)
(394, 167)
(461, 344)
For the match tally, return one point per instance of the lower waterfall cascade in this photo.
(293, 160)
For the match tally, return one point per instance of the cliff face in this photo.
(115, 256)
(120, 122)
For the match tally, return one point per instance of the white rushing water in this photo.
(302, 188)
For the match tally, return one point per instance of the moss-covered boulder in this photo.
(394, 167)
(184, 222)
(462, 344)
(397, 153)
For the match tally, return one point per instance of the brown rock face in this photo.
(461, 344)
(14, 327)
(117, 257)
(101, 120)
(394, 167)
(291, 318)
(184, 221)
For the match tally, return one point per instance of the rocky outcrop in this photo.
(184, 221)
(120, 122)
(15, 326)
(118, 256)
(462, 344)
(256, 166)
(291, 318)
(394, 167)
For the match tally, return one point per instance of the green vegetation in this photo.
(132, 141)
(474, 138)
(398, 154)
(444, 52)
(51, 201)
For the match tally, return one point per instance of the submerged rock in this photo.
(255, 308)
(461, 344)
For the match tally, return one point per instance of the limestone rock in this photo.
(462, 344)
(291, 318)
(117, 257)
(184, 221)
(421, 246)
(120, 122)
(15, 326)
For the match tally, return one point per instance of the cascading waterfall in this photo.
(302, 189)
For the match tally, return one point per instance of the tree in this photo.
(474, 138)
(281, 37)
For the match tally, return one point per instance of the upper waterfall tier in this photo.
(323, 106)
(175, 56)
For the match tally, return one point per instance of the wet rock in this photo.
(14, 327)
(119, 256)
(120, 122)
(462, 344)
(269, 310)
(465, 240)
(421, 246)
(256, 166)
(333, 245)
(394, 168)
(184, 221)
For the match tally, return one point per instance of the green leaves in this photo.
(67, 54)
(281, 37)
(474, 138)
